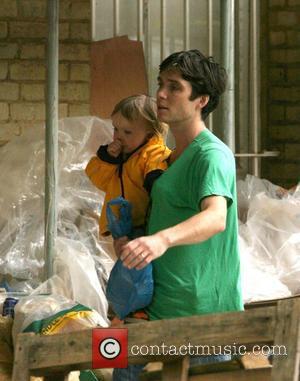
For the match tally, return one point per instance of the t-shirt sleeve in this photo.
(214, 175)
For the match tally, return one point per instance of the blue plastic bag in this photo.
(127, 290)
(119, 227)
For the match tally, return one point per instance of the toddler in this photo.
(137, 155)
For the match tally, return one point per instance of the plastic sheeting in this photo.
(42, 311)
(75, 265)
(269, 240)
(22, 169)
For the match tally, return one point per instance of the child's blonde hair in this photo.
(143, 106)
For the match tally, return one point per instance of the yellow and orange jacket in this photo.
(130, 178)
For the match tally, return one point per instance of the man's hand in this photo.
(139, 252)
(114, 148)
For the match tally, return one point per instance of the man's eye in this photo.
(173, 87)
(127, 132)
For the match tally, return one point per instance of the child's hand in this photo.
(119, 243)
(114, 148)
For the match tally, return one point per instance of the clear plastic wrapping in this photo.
(51, 314)
(269, 240)
(22, 169)
(75, 265)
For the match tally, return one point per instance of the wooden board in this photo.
(40, 355)
(254, 326)
(176, 370)
(287, 335)
(117, 71)
(240, 375)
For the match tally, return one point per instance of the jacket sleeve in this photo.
(100, 172)
(156, 164)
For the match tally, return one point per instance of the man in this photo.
(192, 229)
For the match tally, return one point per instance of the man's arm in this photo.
(210, 221)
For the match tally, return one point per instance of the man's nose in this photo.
(161, 93)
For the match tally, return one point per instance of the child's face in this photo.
(131, 134)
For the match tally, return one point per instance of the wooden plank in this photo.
(73, 351)
(154, 372)
(219, 373)
(237, 375)
(287, 335)
(269, 302)
(57, 377)
(176, 370)
(206, 330)
(21, 370)
(255, 361)
(253, 326)
(65, 352)
(5, 371)
(117, 71)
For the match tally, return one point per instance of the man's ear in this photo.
(203, 100)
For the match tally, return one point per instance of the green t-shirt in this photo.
(204, 277)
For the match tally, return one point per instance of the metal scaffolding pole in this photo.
(162, 29)
(254, 86)
(210, 27)
(227, 51)
(140, 21)
(186, 24)
(51, 137)
(116, 11)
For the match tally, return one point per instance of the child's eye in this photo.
(115, 129)
(127, 132)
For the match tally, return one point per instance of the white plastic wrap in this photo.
(260, 281)
(269, 240)
(22, 169)
(249, 188)
(36, 308)
(76, 267)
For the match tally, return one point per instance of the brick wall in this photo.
(23, 35)
(281, 89)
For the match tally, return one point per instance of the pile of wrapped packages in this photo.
(269, 234)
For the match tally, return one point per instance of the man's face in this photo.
(173, 98)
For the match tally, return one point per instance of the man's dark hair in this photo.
(205, 76)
